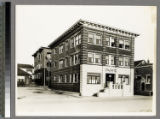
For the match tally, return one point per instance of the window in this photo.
(97, 58)
(90, 38)
(54, 64)
(124, 79)
(112, 42)
(98, 40)
(61, 49)
(55, 51)
(94, 39)
(121, 43)
(66, 62)
(61, 63)
(93, 78)
(66, 45)
(107, 59)
(90, 57)
(94, 58)
(71, 60)
(77, 59)
(79, 37)
(126, 61)
(120, 61)
(107, 41)
(148, 79)
(112, 59)
(71, 43)
(127, 44)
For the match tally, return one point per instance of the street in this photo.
(38, 101)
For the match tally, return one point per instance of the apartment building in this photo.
(143, 78)
(93, 59)
(42, 65)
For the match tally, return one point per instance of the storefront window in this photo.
(93, 78)
(124, 79)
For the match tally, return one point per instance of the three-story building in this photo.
(42, 65)
(91, 58)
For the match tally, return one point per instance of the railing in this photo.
(115, 86)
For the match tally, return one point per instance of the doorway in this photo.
(110, 78)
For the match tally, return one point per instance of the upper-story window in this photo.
(120, 61)
(77, 39)
(107, 41)
(121, 43)
(94, 39)
(127, 44)
(126, 59)
(112, 42)
(107, 59)
(39, 56)
(71, 42)
(112, 60)
(77, 59)
(94, 58)
(66, 45)
(61, 64)
(55, 50)
(66, 62)
(61, 49)
(71, 60)
(97, 58)
(98, 40)
(90, 38)
(90, 57)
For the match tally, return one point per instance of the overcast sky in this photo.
(40, 25)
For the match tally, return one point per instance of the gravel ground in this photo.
(33, 101)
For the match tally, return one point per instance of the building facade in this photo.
(143, 78)
(42, 65)
(25, 74)
(93, 59)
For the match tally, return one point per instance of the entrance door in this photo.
(143, 86)
(110, 78)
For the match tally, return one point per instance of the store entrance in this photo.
(109, 78)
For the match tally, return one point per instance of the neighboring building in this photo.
(25, 74)
(143, 78)
(94, 59)
(42, 65)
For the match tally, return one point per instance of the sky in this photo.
(39, 25)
